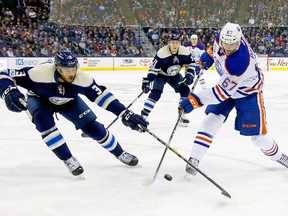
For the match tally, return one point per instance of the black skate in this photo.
(74, 166)
(128, 159)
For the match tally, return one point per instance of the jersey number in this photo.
(97, 89)
(227, 83)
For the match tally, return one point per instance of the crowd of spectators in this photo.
(88, 29)
(33, 28)
(174, 13)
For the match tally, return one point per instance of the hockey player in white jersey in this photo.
(239, 87)
(55, 88)
(165, 68)
(197, 49)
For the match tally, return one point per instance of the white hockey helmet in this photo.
(194, 39)
(230, 36)
(194, 36)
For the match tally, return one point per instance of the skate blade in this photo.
(147, 182)
(80, 177)
(181, 124)
(189, 177)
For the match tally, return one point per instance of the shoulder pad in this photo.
(163, 52)
(183, 51)
(83, 79)
(238, 62)
(200, 46)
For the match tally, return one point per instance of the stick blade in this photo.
(147, 182)
(225, 193)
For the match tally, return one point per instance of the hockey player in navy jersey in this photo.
(54, 88)
(239, 87)
(165, 68)
(196, 49)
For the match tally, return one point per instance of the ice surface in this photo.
(35, 183)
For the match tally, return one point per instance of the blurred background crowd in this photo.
(37, 28)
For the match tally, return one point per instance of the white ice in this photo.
(33, 182)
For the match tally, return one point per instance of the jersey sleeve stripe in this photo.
(216, 95)
(222, 93)
(105, 99)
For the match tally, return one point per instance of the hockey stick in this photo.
(223, 192)
(149, 181)
(196, 81)
(127, 108)
(85, 135)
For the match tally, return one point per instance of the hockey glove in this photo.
(188, 80)
(190, 103)
(145, 85)
(206, 61)
(14, 99)
(132, 120)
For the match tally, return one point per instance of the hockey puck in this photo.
(168, 177)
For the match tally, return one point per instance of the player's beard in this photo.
(67, 79)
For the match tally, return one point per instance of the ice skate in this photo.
(190, 169)
(283, 160)
(74, 166)
(128, 159)
(183, 122)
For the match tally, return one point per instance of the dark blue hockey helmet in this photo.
(174, 37)
(66, 59)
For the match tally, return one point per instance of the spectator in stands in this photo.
(3, 52)
(10, 52)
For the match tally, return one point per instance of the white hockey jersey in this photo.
(240, 74)
(196, 51)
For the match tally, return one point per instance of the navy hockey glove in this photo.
(188, 80)
(145, 85)
(14, 99)
(132, 120)
(190, 103)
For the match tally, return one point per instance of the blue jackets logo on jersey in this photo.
(173, 70)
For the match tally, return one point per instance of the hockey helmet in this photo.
(174, 37)
(66, 59)
(230, 36)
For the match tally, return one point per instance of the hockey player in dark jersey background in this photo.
(54, 88)
(165, 68)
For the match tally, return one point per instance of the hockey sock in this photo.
(97, 131)
(148, 107)
(268, 146)
(54, 140)
(210, 126)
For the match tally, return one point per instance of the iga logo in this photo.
(145, 62)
